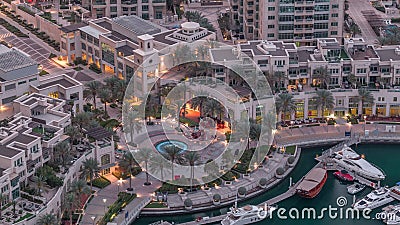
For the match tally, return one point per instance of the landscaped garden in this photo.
(101, 182)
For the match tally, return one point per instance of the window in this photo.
(335, 15)
(271, 17)
(335, 6)
(271, 26)
(159, 15)
(113, 9)
(107, 53)
(361, 70)
(9, 87)
(333, 32)
(271, 9)
(381, 99)
(271, 35)
(33, 79)
(22, 82)
(84, 47)
(105, 159)
(334, 24)
(145, 16)
(395, 99)
(145, 8)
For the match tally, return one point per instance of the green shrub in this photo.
(43, 72)
(95, 68)
(101, 182)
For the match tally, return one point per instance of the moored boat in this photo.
(391, 214)
(375, 199)
(355, 188)
(247, 215)
(351, 161)
(312, 183)
(343, 175)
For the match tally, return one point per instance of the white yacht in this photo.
(374, 199)
(247, 214)
(355, 188)
(353, 162)
(392, 214)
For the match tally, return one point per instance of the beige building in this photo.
(297, 21)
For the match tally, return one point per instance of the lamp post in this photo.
(104, 201)
(93, 218)
(118, 187)
(365, 123)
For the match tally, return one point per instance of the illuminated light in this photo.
(362, 156)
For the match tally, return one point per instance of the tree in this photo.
(191, 158)
(351, 78)
(90, 169)
(71, 202)
(74, 134)
(198, 102)
(323, 76)
(105, 96)
(354, 29)
(128, 162)
(79, 187)
(365, 97)
(40, 181)
(47, 219)
(285, 104)
(278, 77)
(82, 119)
(144, 155)
(62, 151)
(324, 101)
(157, 164)
(3, 198)
(202, 51)
(213, 108)
(132, 122)
(92, 89)
(173, 153)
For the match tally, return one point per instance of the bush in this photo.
(188, 202)
(263, 181)
(101, 182)
(114, 209)
(291, 160)
(54, 181)
(79, 60)
(242, 191)
(217, 197)
(43, 72)
(167, 187)
(95, 68)
(280, 171)
(230, 176)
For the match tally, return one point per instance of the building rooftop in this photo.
(388, 53)
(11, 60)
(161, 37)
(73, 27)
(8, 152)
(219, 55)
(137, 25)
(99, 133)
(91, 31)
(365, 54)
(126, 50)
(63, 82)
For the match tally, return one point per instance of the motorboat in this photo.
(343, 175)
(375, 199)
(348, 159)
(355, 188)
(391, 214)
(247, 215)
(312, 183)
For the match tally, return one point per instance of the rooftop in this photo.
(63, 82)
(91, 31)
(388, 53)
(137, 25)
(99, 133)
(367, 53)
(73, 27)
(220, 55)
(126, 50)
(12, 59)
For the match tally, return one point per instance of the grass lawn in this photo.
(291, 149)
(37, 130)
(154, 205)
(26, 216)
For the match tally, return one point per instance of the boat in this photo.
(392, 214)
(355, 188)
(247, 214)
(375, 199)
(312, 183)
(348, 159)
(343, 175)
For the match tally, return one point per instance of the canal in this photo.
(387, 157)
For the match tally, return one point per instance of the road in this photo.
(355, 11)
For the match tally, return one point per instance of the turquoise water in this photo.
(386, 157)
(161, 146)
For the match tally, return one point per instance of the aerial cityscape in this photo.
(232, 112)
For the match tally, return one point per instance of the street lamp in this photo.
(365, 123)
(118, 187)
(93, 218)
(104, 200)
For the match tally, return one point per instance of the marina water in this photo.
(386, 156)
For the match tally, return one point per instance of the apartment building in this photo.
(153, 10)
(299, 21)
(120, 45)
(17, 72)
(375, 69)
(27, 140)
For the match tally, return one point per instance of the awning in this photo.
(107, 166)
(340, 109)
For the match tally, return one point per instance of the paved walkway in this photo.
(96, 207)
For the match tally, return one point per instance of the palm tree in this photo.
(82, 119)
(80, 187)
(174, 154)
(128, 162)
(351, 78)
(90, 169)
(105, 96)
(198, 102)
(157, 164)
(324, 101)
(40, 182)
(213, 108)
(202, 51)
(152, 106)
(47, 219)
(354, 29)
(132, 122)
(278, 77)
(74, 134)
(323, 76)
(191, 158)
(63, 152)
(3, 198)
(93, 87)
(144, 155)
(211, 168)
(285, 104)
(71, 202)
(365, 97)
